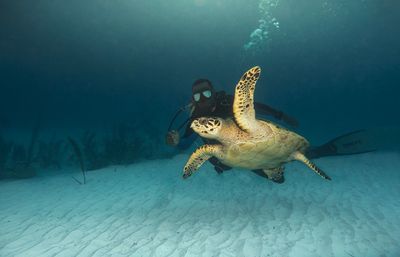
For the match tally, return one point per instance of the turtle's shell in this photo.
(269, 147)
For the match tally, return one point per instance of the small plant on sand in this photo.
(78, 154)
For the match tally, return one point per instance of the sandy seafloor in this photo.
(146, 209)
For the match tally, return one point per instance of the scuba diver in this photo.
(208, 102)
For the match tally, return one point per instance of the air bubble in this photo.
(266, 22)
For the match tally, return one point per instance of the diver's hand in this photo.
(290, 120)
(172, 138)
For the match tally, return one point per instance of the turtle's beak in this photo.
(206, 127)
(195, 124)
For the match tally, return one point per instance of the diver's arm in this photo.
(268, 110)
(186, 140)
(279, 115)
(188, 137)
(176, 116)
(173, 135)
(188, 130)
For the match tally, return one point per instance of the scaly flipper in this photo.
(275, 175)
(300, 157)
(243, 103)
(202, 154)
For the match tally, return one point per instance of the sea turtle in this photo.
(247, 142)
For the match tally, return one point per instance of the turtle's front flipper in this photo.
(202, 154)
(243, 103)
(300, 157)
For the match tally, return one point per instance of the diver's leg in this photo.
(315, 152)
(355, 142)
(260, 173)
(219, 167)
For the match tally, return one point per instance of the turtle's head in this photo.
(207, 127)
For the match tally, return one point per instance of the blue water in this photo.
(119, 70)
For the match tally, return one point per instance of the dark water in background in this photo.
(334, 65)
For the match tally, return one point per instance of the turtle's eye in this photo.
(203, 121)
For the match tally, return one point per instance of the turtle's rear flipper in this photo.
(275, 175)
(202, 154)
(300, 157)
(355, 142)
